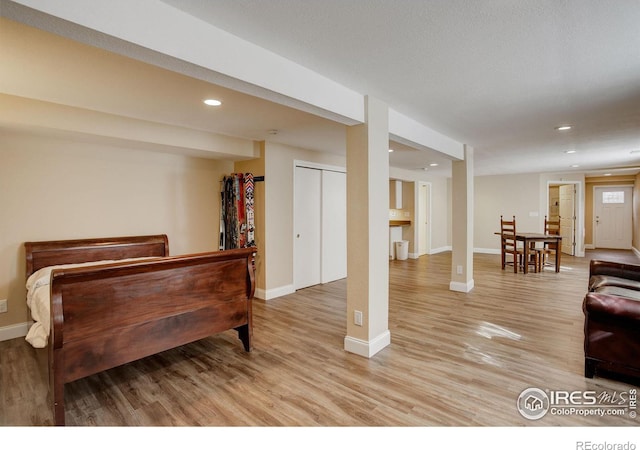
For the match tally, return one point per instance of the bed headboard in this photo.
(48, 253)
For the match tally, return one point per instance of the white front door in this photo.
(613, 217)
(568, 218)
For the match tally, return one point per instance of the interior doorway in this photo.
(564, 204)
(567, 212)
(424, 218)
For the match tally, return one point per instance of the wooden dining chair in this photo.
(510, 246)
(550, 248)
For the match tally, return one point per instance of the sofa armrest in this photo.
(611, 306)
(614, 269)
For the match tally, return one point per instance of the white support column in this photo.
(368, 232)
(462, 220)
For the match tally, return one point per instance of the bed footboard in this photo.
(108, 315)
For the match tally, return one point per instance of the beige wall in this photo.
(507, 195)
(523, 194)
(61, 189)
(279, 169)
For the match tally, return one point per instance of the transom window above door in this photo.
(613, 197)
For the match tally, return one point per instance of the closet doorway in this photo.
(320, 224)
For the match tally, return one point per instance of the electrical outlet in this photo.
(3, 306)
(459, 270)
(357, 318)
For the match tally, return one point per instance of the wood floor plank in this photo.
(455, 359)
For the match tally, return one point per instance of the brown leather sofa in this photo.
(612, 320)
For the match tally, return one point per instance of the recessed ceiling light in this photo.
(607, 174)
(390, 150)
(575, 165)
(563, 127)
(569, 151)
(433, 164)
(212, 102)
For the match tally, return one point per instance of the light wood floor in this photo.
(455, 360)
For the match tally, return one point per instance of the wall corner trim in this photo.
(461, 287)
(367, 348)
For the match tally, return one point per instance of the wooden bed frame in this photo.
(107, 315)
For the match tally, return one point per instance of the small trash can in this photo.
(402, 250)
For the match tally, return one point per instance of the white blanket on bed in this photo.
(39, 299)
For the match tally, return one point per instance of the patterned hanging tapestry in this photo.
(237, 227)
(248, 198)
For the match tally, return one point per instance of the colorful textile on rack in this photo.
(237, 226)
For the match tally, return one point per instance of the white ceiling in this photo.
(498, 75)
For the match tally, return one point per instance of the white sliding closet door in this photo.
(307, 243)
(320, 226)
(334, 225)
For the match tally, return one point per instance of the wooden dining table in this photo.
(528, 238)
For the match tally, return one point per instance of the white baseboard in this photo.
(489, 251)
(461, 287)
(14, 331)
(446, 248)
(270, 294)
(367, 348)
(635, 251)
(589, 247)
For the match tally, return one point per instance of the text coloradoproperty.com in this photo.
(571, 410)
